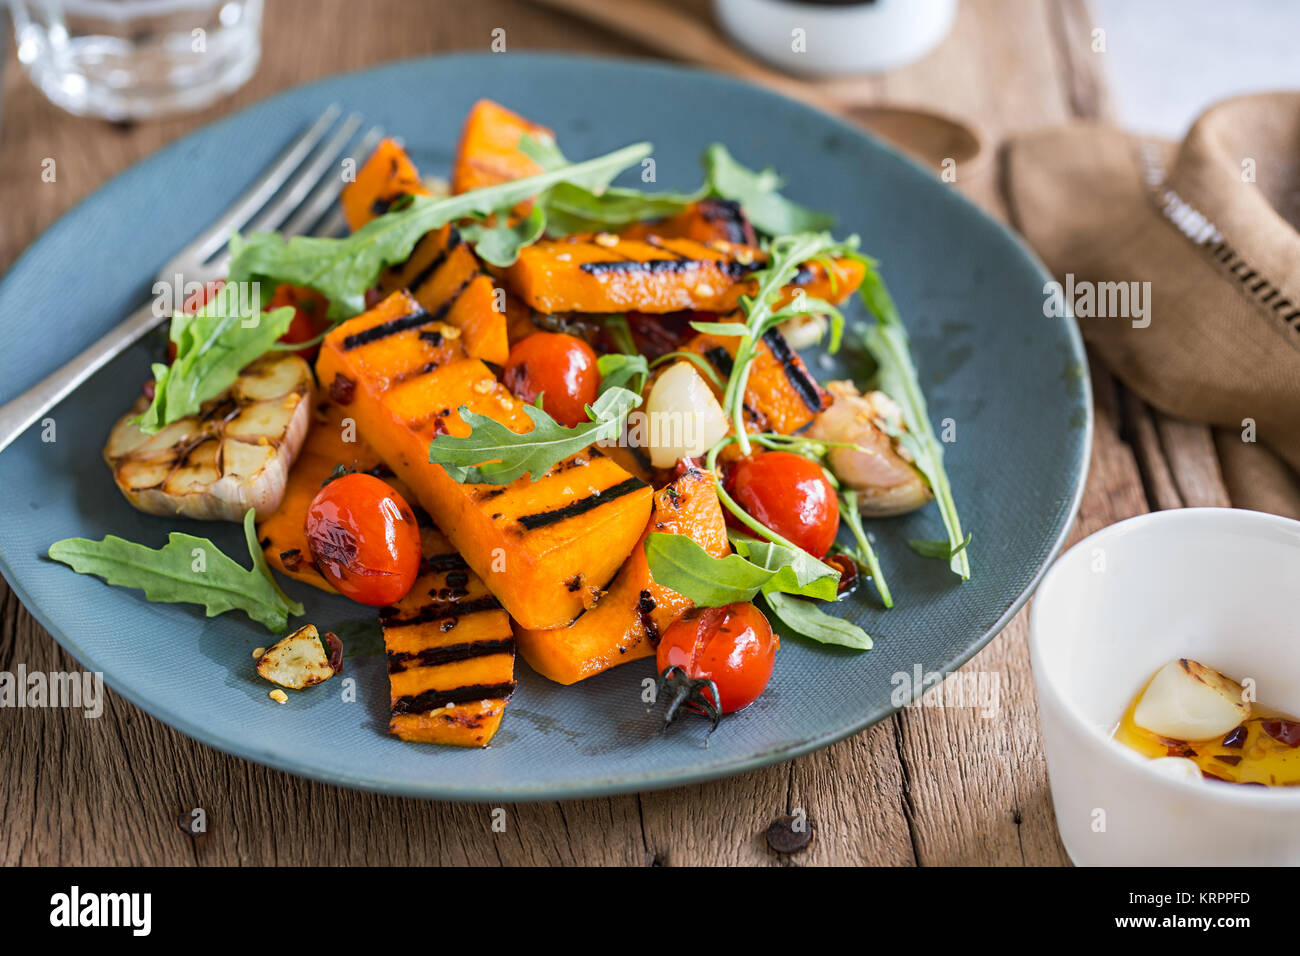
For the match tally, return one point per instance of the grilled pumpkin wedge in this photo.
(708, 220)
(387, 176)
(233, 455)
(781, 395)
(445, 277)
(544, 547)
(625, 624)
(489, 151)
(283, 533)
(451, 653)
(605, 273)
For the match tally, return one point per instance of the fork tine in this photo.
(264, 188)
(319, 202)
(306, 179)
(333, 225)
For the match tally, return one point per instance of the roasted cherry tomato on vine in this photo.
(309, 316)
(733, 646)
(791, 495)
(364, 539)
(560, 368)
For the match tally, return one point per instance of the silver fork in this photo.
(294, 195)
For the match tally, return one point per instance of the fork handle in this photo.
(17, 415)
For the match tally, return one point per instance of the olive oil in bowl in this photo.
(1262, 748)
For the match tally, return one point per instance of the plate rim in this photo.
(437, 788)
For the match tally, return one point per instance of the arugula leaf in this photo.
(896, 376)
(679, 562)
(543, 150)
(621, 370)
(495, 455)
(788, 253)
(343, 269)
(866, 554)
(169, 574)
(803, 618)
(927, 548)
(212, 346)
(500, 242)
(794, 571)
(767, 209)
(571, 209)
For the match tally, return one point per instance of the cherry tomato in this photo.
(560, 368)
(364, 539)
(733, 646)
(309, 315)
(791, 495)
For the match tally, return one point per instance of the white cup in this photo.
(1217, 585)
(823, 39)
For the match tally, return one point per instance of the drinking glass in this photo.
(137, 59)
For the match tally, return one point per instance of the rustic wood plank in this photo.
(1157, 475)
(1255, 477)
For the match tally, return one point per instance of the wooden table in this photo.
(927, 786)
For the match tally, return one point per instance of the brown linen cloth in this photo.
(1211, 224)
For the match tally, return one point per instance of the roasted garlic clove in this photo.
(233, 455)
(886, 481)
(1188, 701)
(297, 661)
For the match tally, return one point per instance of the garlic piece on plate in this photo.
(683, 417)
(1188, 701)
(296, 661)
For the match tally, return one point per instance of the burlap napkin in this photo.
(1211, 225)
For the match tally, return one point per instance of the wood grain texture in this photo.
(929, 786)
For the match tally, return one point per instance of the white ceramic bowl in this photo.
(1217, 585)
(837, 38)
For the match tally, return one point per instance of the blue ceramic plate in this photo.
(1013, 381)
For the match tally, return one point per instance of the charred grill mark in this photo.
(641, 455)
(727, 212)
(450, 654)
(432, 336)
(736, 270)
(441, 312)
(390, 616)
(720, 358)
(416, 372)
(651, 266)
(333, 542)
(644, 608)
(434, 699)
(423, 276)
(385, 329)
(291, 559)
(442, 563)
(582, 505)
(385, 203)
(800, 380)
